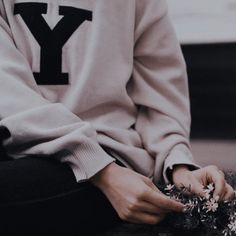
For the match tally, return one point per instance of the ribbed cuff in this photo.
(86, 160)
(180, 155)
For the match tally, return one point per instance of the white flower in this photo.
(207, 194)
(190, 205)
(210, 187)
(208, 191)
(224, 232)
(232, 225)
(211, 205)
(169, 187)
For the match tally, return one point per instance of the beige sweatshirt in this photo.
(81, 77)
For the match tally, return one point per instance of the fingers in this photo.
(149, 208)
(229, 193)
(197, 188)
(219, 187)
(154, 201)
(217, 177)
(149, 183)
(163, 202)
(144, 218)
(222, 189)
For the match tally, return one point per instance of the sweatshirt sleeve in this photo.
(159, 87)
(38, 127)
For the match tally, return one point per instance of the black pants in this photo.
(40, 196)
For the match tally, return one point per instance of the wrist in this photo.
(179, 170)
(180, 167)
(102, 177)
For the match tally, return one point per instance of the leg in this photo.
(42, 194)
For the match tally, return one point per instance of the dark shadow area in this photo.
(212, 83)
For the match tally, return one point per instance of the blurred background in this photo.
(206, 30)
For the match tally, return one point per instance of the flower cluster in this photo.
(208, 214)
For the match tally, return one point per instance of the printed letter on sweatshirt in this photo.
(51, 41)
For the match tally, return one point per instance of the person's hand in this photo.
(134, 197)
(198, 179)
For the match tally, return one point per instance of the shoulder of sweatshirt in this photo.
(146, 10)
(149, 12)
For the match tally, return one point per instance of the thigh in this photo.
(41, 193)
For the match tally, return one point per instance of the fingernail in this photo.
(217, 197)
